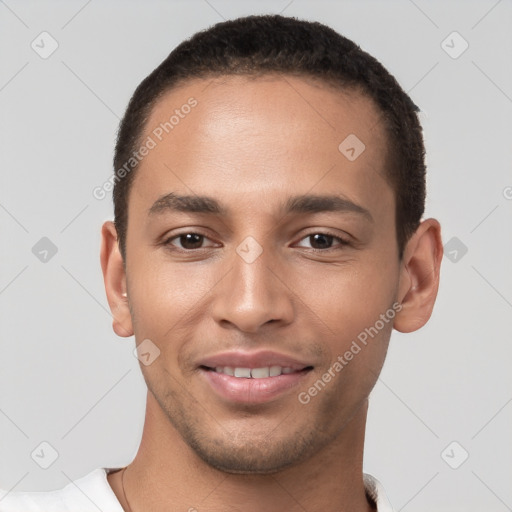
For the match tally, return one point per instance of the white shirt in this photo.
(92, 493)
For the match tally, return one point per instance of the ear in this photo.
(419, 276)
(114, 277)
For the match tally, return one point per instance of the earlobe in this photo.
(419, 277)
(114, 278)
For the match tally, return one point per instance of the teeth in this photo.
(260, 373)
(255, 373)
(243, 372)
(274, 371)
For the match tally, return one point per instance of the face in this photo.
(256, 246)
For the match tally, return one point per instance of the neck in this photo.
(167, 472)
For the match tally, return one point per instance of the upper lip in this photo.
(260, 359)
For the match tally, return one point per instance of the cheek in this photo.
(165, 297)
(344, 384)
(357, 306)
(358, 351)
(350, 298)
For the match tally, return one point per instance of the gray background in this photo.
(67, 379)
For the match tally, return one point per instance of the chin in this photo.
(258, 455)
(246, 461)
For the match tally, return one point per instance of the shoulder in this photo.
(91, 492)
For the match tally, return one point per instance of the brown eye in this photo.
(323, 241)
(187, 241)
(191, 240)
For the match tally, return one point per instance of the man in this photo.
(269, 188)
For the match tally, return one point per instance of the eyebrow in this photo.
(324, 203)
(302, 204)
(190, 204)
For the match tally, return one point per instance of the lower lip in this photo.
(251, 391)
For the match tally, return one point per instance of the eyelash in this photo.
(342, 242)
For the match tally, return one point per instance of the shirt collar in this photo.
(376, 492)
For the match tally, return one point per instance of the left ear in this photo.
(419, 276)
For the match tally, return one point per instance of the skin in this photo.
(251, 144)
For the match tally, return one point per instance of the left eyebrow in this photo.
(324, 203)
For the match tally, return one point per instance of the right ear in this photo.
(114, 277)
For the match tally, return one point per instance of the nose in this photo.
(253, 294)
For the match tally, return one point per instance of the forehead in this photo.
(263, 135)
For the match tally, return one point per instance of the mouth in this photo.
(238, 378)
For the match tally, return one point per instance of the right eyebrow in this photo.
(191, 204)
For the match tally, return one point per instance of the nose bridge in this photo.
(252, 295)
